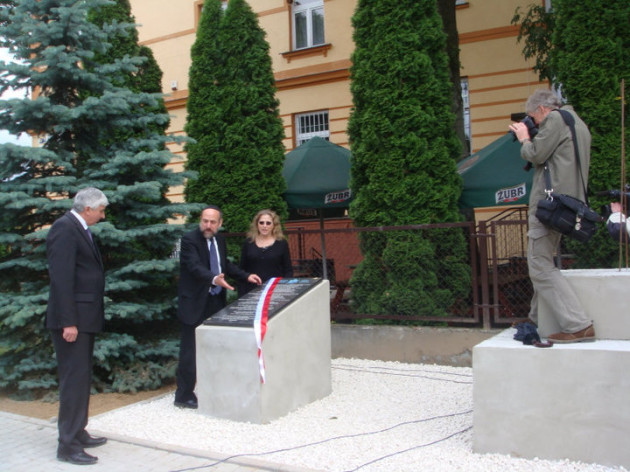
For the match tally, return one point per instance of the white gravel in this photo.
(381, 416)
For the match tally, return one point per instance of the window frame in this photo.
(308, 6)
(300, 137)
(465, 88)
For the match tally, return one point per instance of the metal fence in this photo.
(499, 292)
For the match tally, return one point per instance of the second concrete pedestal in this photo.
(604, 295)
(296, 352)
(567, 401)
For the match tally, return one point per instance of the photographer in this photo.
(616, 220)
(553, 145)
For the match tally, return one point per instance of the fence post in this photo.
(482, 239)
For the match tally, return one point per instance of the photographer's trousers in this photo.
(549, 283)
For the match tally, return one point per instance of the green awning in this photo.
(317, 174)
(495, 176)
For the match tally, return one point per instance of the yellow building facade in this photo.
(311, 45)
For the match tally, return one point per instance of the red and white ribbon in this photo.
(260, 321)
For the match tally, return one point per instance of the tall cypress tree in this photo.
(583, 50)
(233, 116)
(94, 131)
(404, 151)
(590, 56)
(590, 73)
(204, 117)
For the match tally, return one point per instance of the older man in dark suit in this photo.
(75, 313)
(201, 293)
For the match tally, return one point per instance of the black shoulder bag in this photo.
(563, 213)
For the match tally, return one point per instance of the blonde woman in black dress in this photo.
(265, 251)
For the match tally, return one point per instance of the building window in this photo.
(308, 125)
(308, 23)
(466, 112)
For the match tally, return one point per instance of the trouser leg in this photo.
(551, 286)
(533, 307)
(74, 366)
(187, 366)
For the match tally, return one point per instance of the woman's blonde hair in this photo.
(277, 227)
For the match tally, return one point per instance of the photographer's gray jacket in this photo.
(554, 143)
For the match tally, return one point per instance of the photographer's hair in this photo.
(542, 97)
(277, 227)
(89, 197)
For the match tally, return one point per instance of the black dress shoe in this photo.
(91, 441)
(192, 404)
(77, 458)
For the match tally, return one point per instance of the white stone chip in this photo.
(381, 416)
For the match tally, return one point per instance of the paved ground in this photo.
(30, 444)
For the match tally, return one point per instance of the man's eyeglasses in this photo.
(264, 223)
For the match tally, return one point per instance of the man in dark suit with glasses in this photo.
(201, 293)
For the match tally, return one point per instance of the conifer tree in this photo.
(93, 131)
(590, 56)
(583, 50)
(404, 151)
(233, 117)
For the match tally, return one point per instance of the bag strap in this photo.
(570, 122)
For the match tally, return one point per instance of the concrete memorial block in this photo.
(568, 401)
(296, 350)
(605, 296)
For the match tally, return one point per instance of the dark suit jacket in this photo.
(77, 280)
(195, 277)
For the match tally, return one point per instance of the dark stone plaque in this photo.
(243, 311)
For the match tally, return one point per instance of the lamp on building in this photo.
(173, 84)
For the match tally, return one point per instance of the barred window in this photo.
(308, 125)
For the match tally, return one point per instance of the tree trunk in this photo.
(446, 9)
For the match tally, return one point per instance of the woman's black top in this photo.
(266, 262)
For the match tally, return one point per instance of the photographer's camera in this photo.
(532, 129)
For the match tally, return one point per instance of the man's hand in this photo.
(70, 334)
(254, 279)
(520, 131)
(221, 282)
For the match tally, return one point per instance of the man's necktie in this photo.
(214, 266)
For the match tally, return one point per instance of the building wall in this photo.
(500, 80)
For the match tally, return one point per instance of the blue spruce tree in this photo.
(92, 129)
